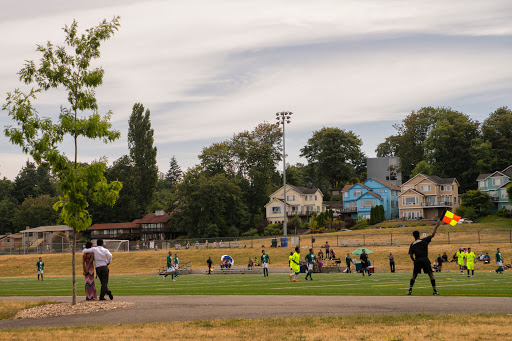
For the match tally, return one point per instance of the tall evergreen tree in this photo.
(174, 174)
(143, 154)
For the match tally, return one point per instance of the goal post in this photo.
(116, 245)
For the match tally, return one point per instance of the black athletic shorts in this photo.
(422, 263)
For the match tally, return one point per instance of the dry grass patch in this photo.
(9, 309)
(418, 327)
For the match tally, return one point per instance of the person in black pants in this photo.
(440, 263)
(418, 251)
(391, 261)
(209, 262)
(364, 262)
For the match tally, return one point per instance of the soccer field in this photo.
(452, 284)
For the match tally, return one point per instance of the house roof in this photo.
(505, 184)
(368, 188)
(114, 226)
(387, 184)
(411, 190)
(441, 181)
(56, 228)
(152, 218)
(346, 188)
(276, 199)
(508, 171)
(304, 190)
(371, 193)
(483, 176)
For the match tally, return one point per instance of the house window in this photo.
(425, 188)
(276, 209)
(503, 194)
(481, 184)
(290, 197)
(358, 193)
(309, 208)
(295, 208)
(318, 208)
(409, 201)
(442, 188)
(497, 182)
(368, 203)
(316, 198)
(354, 204)
(345, 194)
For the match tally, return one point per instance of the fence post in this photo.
(448, 237)
(510, 236)
(478, 237)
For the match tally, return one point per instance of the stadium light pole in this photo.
(283, 118)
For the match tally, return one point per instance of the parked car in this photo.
(398, 225)
(343, 230)
(378, 227)
(464, 221)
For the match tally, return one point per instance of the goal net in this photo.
(114, 245)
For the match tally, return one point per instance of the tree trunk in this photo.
(73, 250)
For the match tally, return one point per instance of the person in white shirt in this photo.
(102, 258)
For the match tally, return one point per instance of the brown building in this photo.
(428, 197)
(155, 226)
(122, 231)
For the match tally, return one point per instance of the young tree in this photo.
(68, 68)
(143, 154)
(422, 168)
(509, 192)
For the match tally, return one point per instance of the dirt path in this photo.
(184, 308)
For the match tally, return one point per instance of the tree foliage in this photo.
(34, 212)
(335, 153)
(68, 68)
(478, 200)
(497, 130)
(422, 168)
(174, 174)
(143, 154)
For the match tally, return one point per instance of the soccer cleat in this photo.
(110, 295)
(163, 278)
(369, 274)
(290, 277)
(409, 292)
(295, 280)
(435, 293)
(174, 280)
(102, 299)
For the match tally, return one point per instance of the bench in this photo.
(240, 270)
(185, 269)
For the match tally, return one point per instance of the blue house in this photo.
(495, 184)
(359, 199)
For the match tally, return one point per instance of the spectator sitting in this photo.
(197, 244)
(333, 254)
(320, 255)
(256, 262)
(454, 258)
(221, 244)
(445, 257)
(250, 264)
(487, 258)
(435, 266)
(214, 245)
(187, 245)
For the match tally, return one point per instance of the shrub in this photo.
(503, 212)
(467, 212)
(350, 222)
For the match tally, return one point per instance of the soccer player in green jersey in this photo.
(290, 264)
(295, 263)
(170, 267)
(460, 260)
(310, 259)
(176, 265)
(348, 261)
(470, 261)
(499, 261)
(40, 266)
(265, 260)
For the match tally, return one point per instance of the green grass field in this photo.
(453, 284)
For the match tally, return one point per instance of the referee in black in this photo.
(418, 251)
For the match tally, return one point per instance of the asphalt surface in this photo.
(147, 309)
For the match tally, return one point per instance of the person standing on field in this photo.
(460, 260)
(310, 260)
(364, 262)
(295, 264)
(470, 262)
(265, 261)
(391, 258)
(499, 261)
(170, 267)
(40, 267)
(209, 262)
(348, 261)
(102, 258)
(418, 251)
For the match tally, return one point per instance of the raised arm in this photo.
(435, 228)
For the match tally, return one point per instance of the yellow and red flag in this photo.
(451, 218)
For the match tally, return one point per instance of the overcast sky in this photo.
(209, 69)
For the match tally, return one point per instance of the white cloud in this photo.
(207, 69)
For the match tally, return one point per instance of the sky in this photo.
(209, 69)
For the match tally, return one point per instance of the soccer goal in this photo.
(114, 245)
